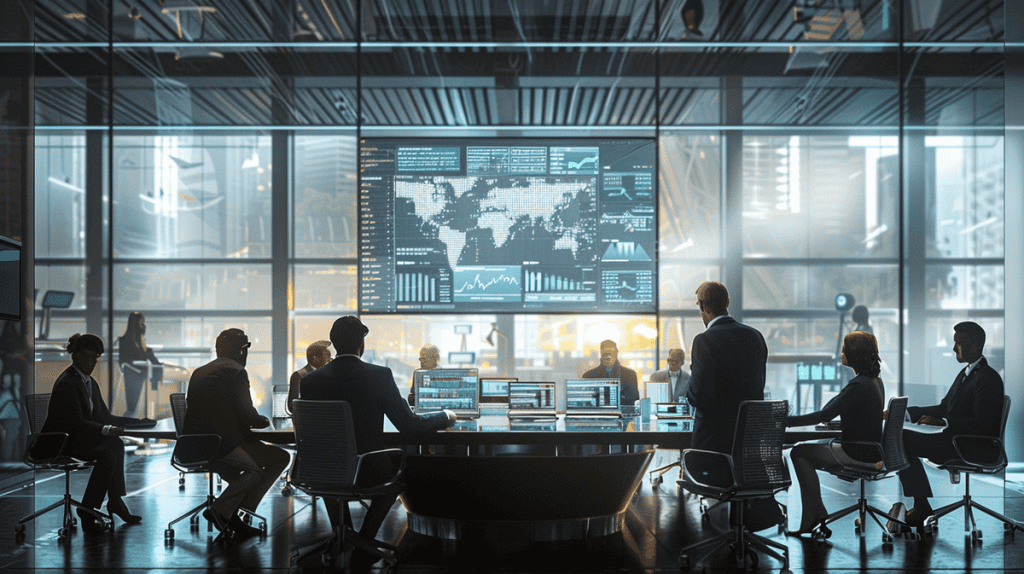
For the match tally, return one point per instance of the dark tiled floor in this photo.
(658, 524)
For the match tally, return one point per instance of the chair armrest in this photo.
(709, 469)
(392, 457)
(980, 450)
(194, 451)
(837, 443)
(43, 447)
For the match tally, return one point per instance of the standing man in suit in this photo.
(673, 374)
(77, 408)
(219, 403)
(610, 368)
(727, 367)
(973, 405)
(372, 393)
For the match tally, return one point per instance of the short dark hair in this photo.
(608, 343)
(86, 342)
(861, 349)
(714, 297)
(347, 335)
(860, 314)
(230, 343)
(975, 334)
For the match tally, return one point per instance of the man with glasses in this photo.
(219, 403)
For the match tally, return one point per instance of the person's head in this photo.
(348, 335)
(609, 353)
(860, 315)
(430, 356)
(968, 341)
(676, 358)
(233, 344)
(713, 300)
(85, 350)
(318, 354)
(136, 326)
(860, 353)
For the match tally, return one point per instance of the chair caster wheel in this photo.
(684, 561)
(74, 522)
(975, 536)
(887, 539)
(62, 533)
(822, 532)
(169, 534)
(263, 528)
(287, 491)
(19, 529)
(753, 558)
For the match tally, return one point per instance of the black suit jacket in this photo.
(727, 368)
(973, 405)
(371, 393)
(70, 412)
(219, 403)
(628, 390)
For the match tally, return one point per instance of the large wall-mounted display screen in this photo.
(507, 225)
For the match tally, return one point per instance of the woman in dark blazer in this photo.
(860, 405)
(77, 408)
(131, 349)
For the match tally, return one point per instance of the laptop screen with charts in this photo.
(592, 398)
(495, 390)
(453, 389)
(531, 400)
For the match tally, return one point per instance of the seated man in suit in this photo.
(318, 354)
(973, 405)
(430, 358)
(674, 375)
(219, 403)
(372, 393)
(77, 408)
(610, 368)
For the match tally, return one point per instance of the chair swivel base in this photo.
(743, 544)
(931, 524)
(327, 550)
(69, 522)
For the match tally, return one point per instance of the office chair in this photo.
(45, 451)
(193, 453)
(755, 469)
(983, 455)
(892, 458)
(327, 466)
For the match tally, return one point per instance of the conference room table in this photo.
(544, 481)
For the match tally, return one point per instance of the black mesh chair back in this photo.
(179, 406)
(757, 446)
(325, 444)
(36, 407)
(893, 456)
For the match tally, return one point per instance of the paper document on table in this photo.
(925, 429)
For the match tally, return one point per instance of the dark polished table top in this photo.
(494, 428)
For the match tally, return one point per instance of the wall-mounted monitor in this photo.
(463, 329)
(10, 279)
(507, 225)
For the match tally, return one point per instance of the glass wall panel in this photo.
(941, 367)
(964, 287)
(71, 86)
(954, 86)
(820, 196)
(953, 21)
(65, 20)
(792, 287)
(60, 195)
(61, 278)
(677, 284)
(678, 333)
(690, 197)
(189, 196)
(325, 221)
(210, 287)
(509, 21)
(508, 86)
(326, 287)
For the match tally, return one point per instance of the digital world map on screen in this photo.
(505, 226)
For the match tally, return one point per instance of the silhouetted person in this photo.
(430, 358)
(371, 393)
(610, 368)
(973, 406)
(860, 318)
(859, 404)
(673, 374)
(318, 354)
(219, 403)
(131, 349)
(77, 408)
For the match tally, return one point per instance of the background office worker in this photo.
(131, 349)
(219, 403)
(430, 358)
(371, 393)
(77, 408)
(859, 404)
(610, 368)
(673, 374)
(318, 354)
(973, 405)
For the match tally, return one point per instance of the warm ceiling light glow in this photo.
(75, 16)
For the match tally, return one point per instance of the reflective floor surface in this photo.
(659, 522)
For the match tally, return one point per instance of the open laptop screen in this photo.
(453, 389)
(592, 395)
(531, 395)
(495, 390)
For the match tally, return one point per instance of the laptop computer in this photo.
(680, 410)
(530, 400)
(592, 398)
(457, 390)
(494, 391)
